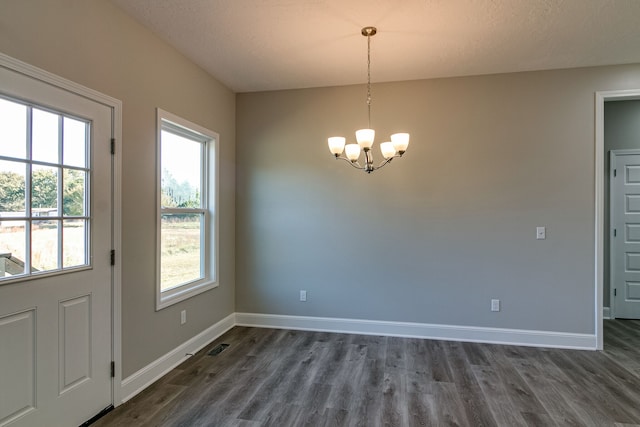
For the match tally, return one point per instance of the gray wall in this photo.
(621, 131)
(93, 43)
(435, 235)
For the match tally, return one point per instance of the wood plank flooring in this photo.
(269, 377)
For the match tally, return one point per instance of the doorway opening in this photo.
(601, 157)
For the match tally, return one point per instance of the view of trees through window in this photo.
(178, 194)
(44, 194)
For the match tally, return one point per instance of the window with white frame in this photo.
(187, 220)
(44, 191)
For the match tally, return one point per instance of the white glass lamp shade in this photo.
(352, 151)
(400, 141)
(365, 138)
(387, 150)
(336, 145)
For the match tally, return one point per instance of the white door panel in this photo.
(55, 328)
(625, 237)
(19, 364)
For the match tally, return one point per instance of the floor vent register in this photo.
(218, 349)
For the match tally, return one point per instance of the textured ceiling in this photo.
(256, 45)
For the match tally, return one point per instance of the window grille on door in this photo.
(44, 190)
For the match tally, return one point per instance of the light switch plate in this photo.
(541, 233)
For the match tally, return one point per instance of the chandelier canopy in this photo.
(364, 137)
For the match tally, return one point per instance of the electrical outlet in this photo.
(303, 295)
(183, 317)
(495, 305)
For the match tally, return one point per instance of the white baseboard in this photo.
(146, 376)
(421, 330)
(606, 313)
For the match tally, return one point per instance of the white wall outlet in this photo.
(541, 233)
(303, 295)
(495, 305)
(183, 317)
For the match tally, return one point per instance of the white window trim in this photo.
(211, 230)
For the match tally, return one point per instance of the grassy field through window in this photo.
(180, 248)
(44, 237)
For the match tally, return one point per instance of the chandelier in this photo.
(364, 137)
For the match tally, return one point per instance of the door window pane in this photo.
(44, 245)
(12, 189)
(74, 142)
(74, 248)
(44, 190)
(73, 192)
(12, 247)
(45, 135)
(13, 129)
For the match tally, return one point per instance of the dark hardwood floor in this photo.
(269, 377)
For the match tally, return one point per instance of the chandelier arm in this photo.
(384, 162)
(388, 161)
(354, 164)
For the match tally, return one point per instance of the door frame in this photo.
(600, 98)
(116, 238)
(613, 155)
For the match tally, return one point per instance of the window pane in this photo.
(44, 144)
(44, 245)
(73, 182)
(74, 142)
(181, 169)
(44, 191)
(73, 243)
(181, 248)
(12, 189)
(13, 129)
(12, 248)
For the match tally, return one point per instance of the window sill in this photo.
(173, 296)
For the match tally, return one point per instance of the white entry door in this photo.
(625, 236)
(55, 244)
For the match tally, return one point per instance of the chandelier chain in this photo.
(369, 80)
